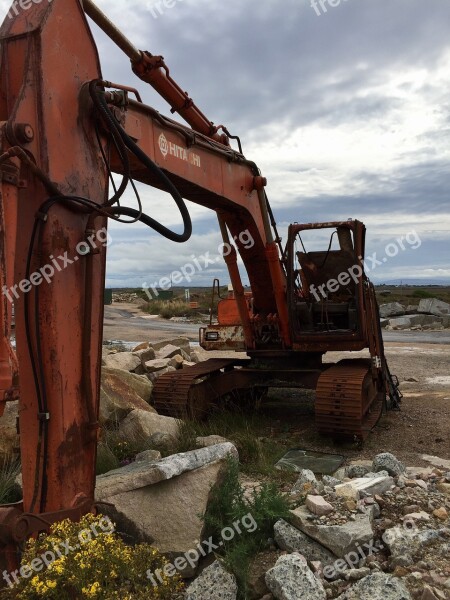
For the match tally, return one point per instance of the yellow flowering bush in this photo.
(99, 566)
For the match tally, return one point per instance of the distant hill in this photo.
(415, 282)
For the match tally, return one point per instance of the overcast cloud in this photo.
(347, 114)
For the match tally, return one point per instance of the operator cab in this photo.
(325, 276)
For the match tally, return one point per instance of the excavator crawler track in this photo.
(348, 400)
(175, 394)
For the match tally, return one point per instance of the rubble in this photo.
(393, 542)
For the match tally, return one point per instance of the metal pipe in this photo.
(111, 30)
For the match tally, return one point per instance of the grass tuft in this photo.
(9, 489)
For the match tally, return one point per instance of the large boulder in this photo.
(392, 309)
(339, 539)
(377, 586)
(126, 361)
(9, 439)
(291, 579)
(139, 383)
(214, 583)
(161, 501)
(118, 399)
(433, 306)
(142, 425)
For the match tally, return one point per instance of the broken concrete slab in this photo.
(339, 539)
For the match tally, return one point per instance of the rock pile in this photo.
(377, 530)
(128, 377)
(431, 314)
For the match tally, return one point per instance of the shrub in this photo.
(103, 568)
(422, 294)
(229, 504)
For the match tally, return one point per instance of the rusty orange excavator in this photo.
(64, 130)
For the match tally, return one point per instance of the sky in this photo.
(344, 105)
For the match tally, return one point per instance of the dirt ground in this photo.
(421, 427)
